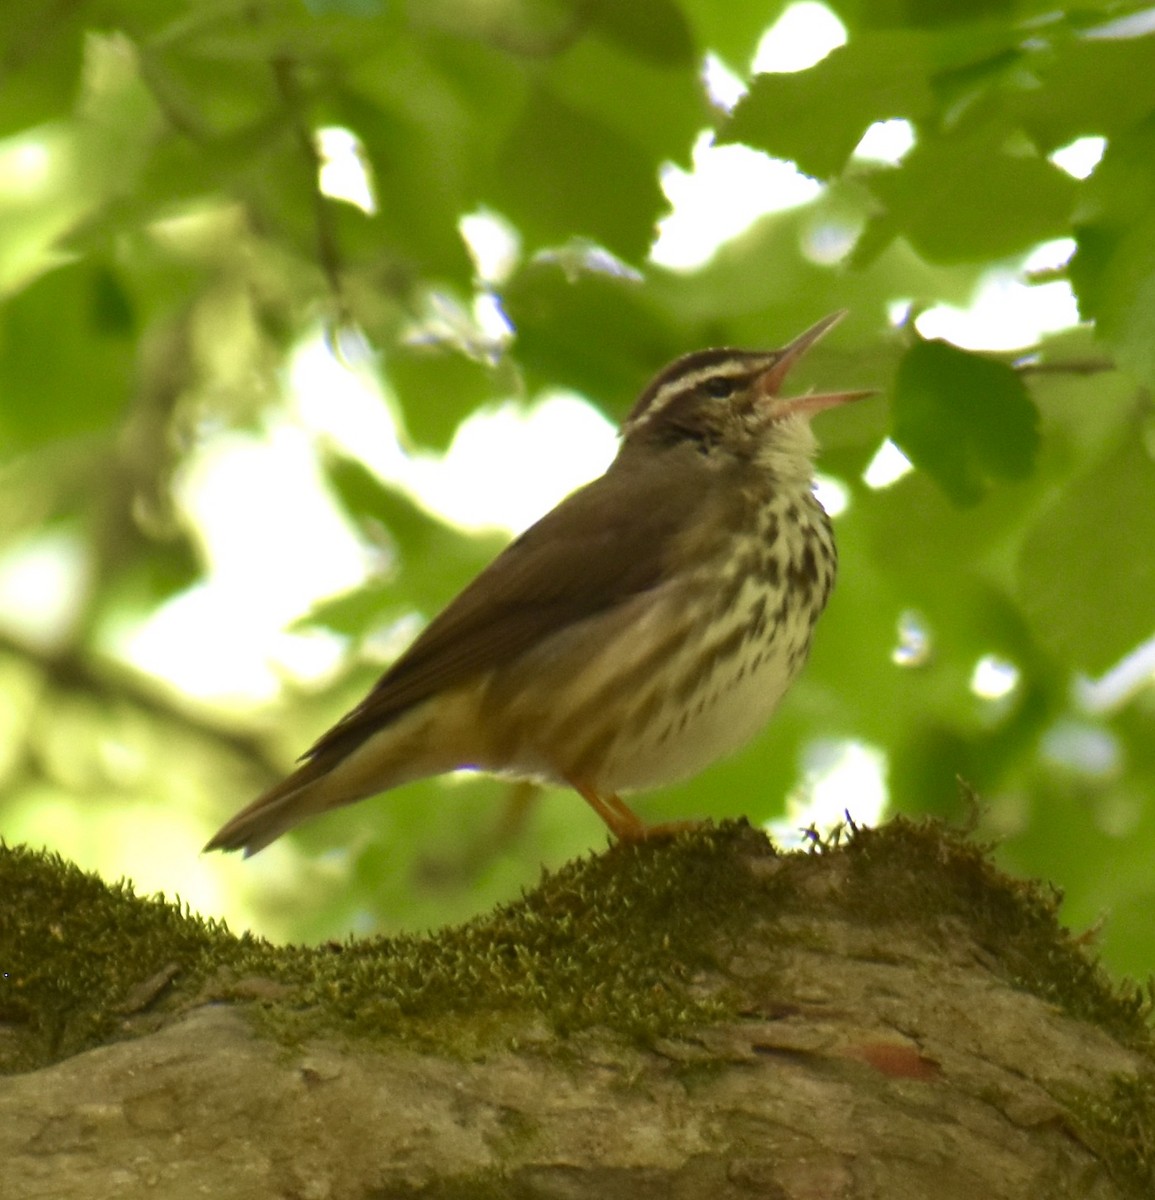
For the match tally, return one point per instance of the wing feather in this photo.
(604, 543)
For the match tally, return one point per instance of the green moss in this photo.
(621, 940)
(925, 874)
(1120, 1128)
(74, 952)
(613, 940)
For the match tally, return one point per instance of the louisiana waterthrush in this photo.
(644, 628)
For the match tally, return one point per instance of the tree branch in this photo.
(887, 1017)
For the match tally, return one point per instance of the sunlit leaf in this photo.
(804, 116)
(1113, 271)
(596, 332)
(67, 349)
(358, 612)
(1087, 572)
(602, 187)
(951, 212)
(438, 389)
(658, 106)
(533, 28)
(161, 570)
(964, 419)
(1080, 94)
(730, 30)
(434, 559)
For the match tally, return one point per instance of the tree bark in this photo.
(884, 1018)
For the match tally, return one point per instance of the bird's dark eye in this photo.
(719, 386)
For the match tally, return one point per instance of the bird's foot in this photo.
(624, 823)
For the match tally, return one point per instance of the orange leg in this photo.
(623, 822)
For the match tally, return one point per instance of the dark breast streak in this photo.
(792, 566)
(754, 604)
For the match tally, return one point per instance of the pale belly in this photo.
(729, 709)
(655, 692)
(642, 710)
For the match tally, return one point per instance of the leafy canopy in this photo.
(166, 246)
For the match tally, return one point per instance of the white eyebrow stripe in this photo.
(680, 384)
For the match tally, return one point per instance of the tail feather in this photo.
(301, 795)
(426, 740)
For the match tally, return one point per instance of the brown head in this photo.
(728, 402)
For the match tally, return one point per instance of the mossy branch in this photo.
(703, 1013)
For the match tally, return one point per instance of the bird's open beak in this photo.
(771, 380)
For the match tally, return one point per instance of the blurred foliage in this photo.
(165, 245)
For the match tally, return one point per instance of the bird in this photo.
(644, 628)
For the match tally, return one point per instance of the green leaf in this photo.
(270, 31)
(352, 8)
(157, 571)
(436, 559)
(732, 31)
(438, 389)
(597, 333)
(958, 200)
(804, 115)
(656, 30)
(948, 14)
(67, 349)
(418, 203)
(964, 419)
(1113, 270)
(433, 115)
(603, 187)
(1074, 89)
(39, 87)
(659, 108)
(357, 612)
(1087, 571)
